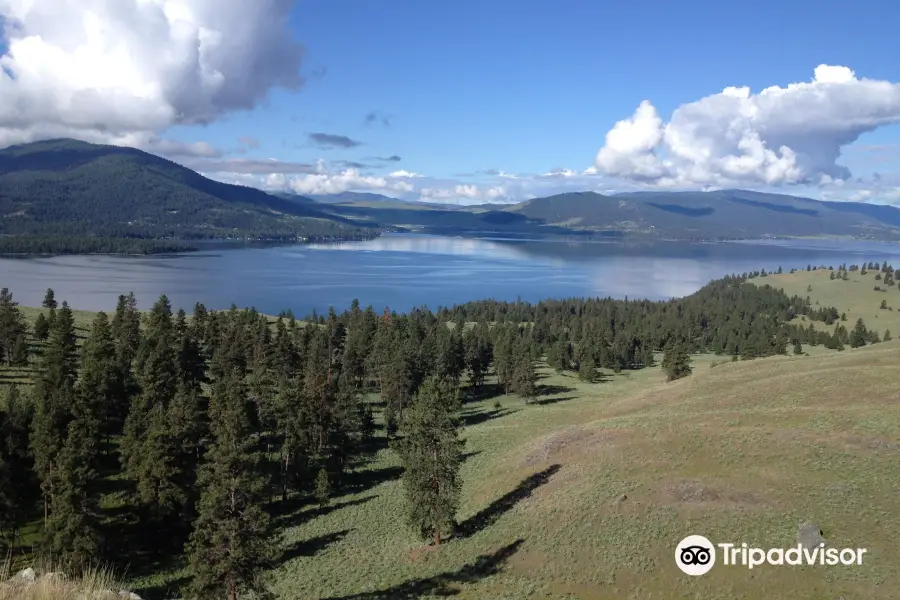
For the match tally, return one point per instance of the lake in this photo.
(404, 270)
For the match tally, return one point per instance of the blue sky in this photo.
(461, 90)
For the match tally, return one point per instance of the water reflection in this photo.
(401, 271)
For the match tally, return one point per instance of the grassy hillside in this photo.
(719, 214)
(70, 188)
(855, 297)
(586, 494)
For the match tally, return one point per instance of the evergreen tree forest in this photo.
(161, 433)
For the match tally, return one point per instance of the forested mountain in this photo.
(65, 188)
(71, 196)
(350, 197)
(718, 214)
(724, 214)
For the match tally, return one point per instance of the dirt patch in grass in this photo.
(696, 492)
(422, 553)
(567, 443)
(876, 445)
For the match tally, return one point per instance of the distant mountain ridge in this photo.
(76, 191)
(716, 214)
(66, 187)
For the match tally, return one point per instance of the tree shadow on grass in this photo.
(469, 455)
(543, 401)
(496, 509)
(311, 546)
(444, 584)
(365, 479)
(298, 517)
(375, 444)
(477, 417)
(549, 390)
(487, 390)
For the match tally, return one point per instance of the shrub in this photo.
(54, 585)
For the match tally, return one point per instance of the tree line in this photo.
(212, 422)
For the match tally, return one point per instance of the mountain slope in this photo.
(718, 214)
(72, 188)
(349, 197)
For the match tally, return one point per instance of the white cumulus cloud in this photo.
(464, 193)
(326, 181)
(121, 71)
(780, 135)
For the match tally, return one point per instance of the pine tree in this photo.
(18, 485)
(887, 335)
(98, 386)
(859, 335)
(147, 447)
(126, 332)
(504, 356)
(431, 453)
(676, 363)
(72, 535)
(53, 396)
(812, 335)
(323, 487)
(477, 354)
(288, 431)
(188, 425)
(587, 368)
(49, 299)
(41, 328)
(798, 348)
(396, 382)
(230, 542)
(12, 328)
(190, 361)
(525, 377)
(560, 357)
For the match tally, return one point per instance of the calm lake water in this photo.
(403, 270)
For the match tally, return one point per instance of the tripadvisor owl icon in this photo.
(695, 555)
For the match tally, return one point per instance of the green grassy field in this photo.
(585, 493)
(856, 296)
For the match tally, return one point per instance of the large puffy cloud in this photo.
(121, 71)
(325, 180)
(778, 136)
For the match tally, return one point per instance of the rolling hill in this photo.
(108, 198)
(723, 214)
(718, 214)
(72, 188)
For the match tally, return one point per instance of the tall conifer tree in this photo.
(431, 452)
(53, 395)
(230, 543)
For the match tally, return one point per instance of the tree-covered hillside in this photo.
(66, 188)
(719, 214)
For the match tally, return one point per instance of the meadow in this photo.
(856, 296)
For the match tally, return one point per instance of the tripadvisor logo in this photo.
(696, 555)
